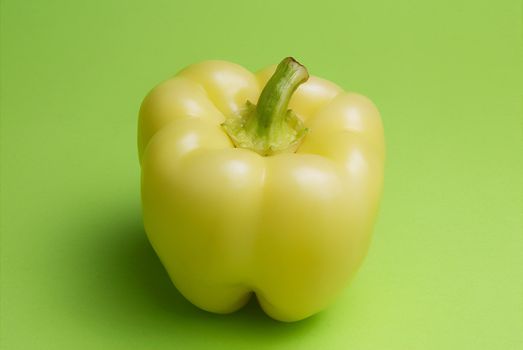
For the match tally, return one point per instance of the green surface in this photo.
(445, 270)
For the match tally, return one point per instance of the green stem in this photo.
(276, 95)
(270, 127)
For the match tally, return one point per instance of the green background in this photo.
(445, 270)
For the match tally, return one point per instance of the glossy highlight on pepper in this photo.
(272, 196)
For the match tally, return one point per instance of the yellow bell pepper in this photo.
(243, 196)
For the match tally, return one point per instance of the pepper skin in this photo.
(227, 222)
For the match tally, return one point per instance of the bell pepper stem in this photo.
(270, 127)
(276, 95)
